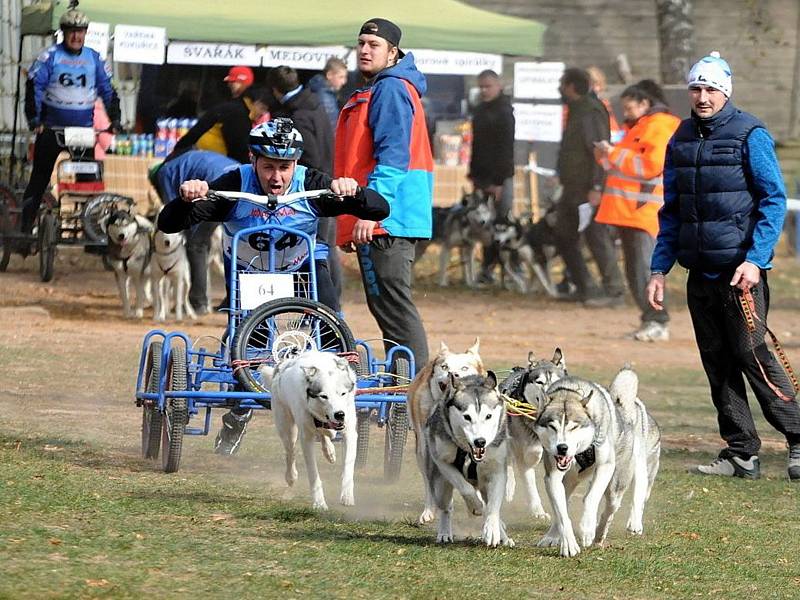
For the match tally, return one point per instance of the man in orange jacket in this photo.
(382, 143)
(633, 194)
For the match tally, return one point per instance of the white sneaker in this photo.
(652, 332)
(733, 467)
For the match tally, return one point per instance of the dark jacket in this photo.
(234, 118)
(311, 120)
(326, 96)
(492, 142)
(717, 211)
(587, 122)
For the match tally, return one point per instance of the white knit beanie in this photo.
(712, 71)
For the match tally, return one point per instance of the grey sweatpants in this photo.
(385, 265)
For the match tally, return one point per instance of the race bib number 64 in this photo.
(257, 288)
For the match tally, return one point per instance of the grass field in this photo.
(83, 520)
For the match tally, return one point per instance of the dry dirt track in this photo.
(69, 358)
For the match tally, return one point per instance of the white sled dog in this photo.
(426, 391)
(169, 270)
(313, 394)
(583, 433)
(467, 449)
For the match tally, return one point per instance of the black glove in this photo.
(116, 127)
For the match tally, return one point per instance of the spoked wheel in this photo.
(151, 416)
(176, 412)
(396, 428)
(48, 240)
(362, 416)
(9, 222)
(96, 209)
(282, 328)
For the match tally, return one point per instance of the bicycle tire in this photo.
(396, 432)
(48, 240)
(8, 223)
(362, 443)
(176, 412)
(299, 321)
(151, 416)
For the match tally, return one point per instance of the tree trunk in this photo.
(676, 39)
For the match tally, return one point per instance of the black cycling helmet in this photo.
(276, 139)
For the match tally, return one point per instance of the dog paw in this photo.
(635, 526)
(139, 313)
(548, 541)
(444, 538)
(328, 451)
(588, 530)
(347, 498)
(492, 532)
(569, 546)
(508, 542)
(537, 512)
(319, 505)
(475, 505)
(291, 475)
(587, 538)
(427, 516)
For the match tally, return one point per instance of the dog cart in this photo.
(73, 217)
(272, 314)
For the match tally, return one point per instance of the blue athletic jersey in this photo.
(66, 86)
(291, 250)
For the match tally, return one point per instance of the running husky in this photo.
(467, 449)
(529, 384)
(584, 432)
(170, 275)
(314, 393)
(426, 391)
(129, 249)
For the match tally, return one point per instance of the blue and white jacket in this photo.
(62, 87)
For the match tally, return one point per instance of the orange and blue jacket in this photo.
(634, 188)
(382, 142)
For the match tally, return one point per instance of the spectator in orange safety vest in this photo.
(634, 192)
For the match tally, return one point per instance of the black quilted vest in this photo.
(717, 212)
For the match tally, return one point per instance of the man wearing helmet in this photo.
(63, 84)
(276, 146)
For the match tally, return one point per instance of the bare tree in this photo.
(676, 38)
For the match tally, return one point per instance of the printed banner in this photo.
(538, 122)
(134, 44)
(201, 53)
(443, 62)
(537, 81)
(302, 57)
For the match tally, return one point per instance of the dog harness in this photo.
(172, 266)
(117, 255)
(471, 471)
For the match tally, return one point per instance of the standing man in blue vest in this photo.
(724, 205)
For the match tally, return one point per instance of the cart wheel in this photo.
(8, 223)
(176, 412)
(282, 328)
(362, 445)
(396, 429)
(151, 416)
(48, 238)
(94, 211)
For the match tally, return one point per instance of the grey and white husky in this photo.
(585, 433)
(529, 384)
(170, 276)
(467, 449)
(129, 249)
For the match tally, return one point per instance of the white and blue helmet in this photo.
(276, 139)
